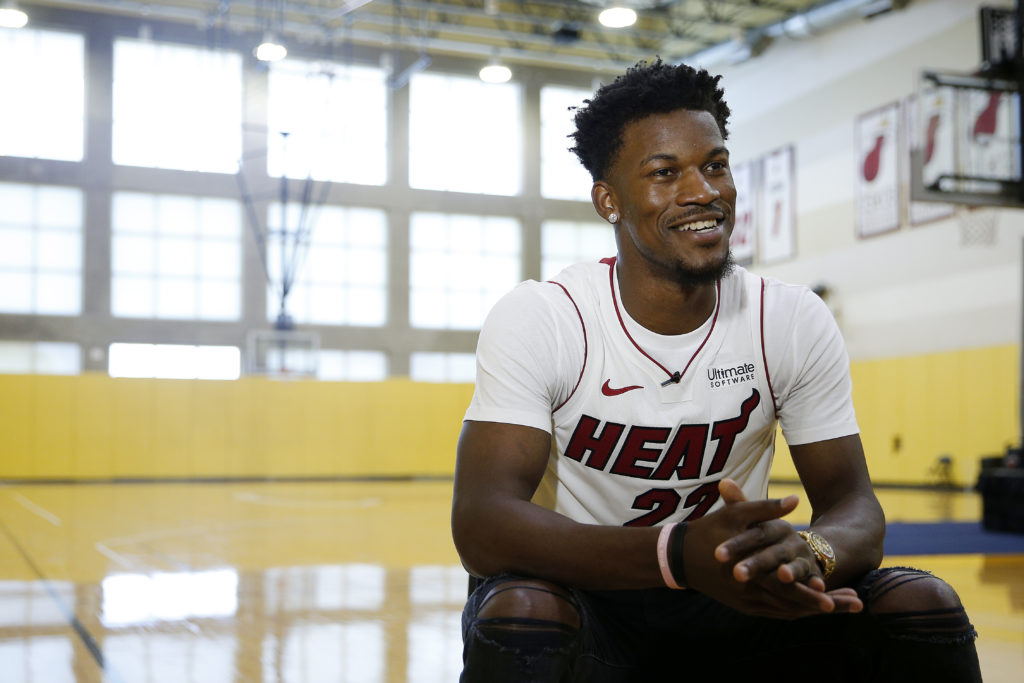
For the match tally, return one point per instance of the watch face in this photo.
(822, 550)
(823, 546)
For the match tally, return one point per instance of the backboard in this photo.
(282, 354)
(968, 141)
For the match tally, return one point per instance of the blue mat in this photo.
(949, 538)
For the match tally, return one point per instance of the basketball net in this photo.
(978, 225)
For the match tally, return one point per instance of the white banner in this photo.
(878, 191)
(743, 241)
(775, 222)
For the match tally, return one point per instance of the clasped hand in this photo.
(745, 556)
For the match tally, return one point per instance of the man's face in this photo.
(671, 184)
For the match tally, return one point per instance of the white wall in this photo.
(918, 289)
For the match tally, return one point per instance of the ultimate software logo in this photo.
(724, 377)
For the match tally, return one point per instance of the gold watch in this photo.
(822, 550)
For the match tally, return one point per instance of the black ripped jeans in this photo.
(667, 635)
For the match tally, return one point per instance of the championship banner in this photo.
(877, 173)
(775, 224)
(743, 241)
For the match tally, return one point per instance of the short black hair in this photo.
(645, 89)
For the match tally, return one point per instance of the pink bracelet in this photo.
(666, 572)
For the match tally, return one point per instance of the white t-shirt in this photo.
(629, 445)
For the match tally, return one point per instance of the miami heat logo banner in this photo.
(743, 242)
(877, 172)
(987, 145)
(928, 123)
(775, 225)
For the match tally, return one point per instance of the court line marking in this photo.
(134, 540)
(114, 556)
(110, 674)
(37, 509)
(275, 501)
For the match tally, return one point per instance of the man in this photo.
(613, 467)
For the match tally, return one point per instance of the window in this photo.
(40, 249)
(564, 243)
(460, 266)
(43, 112)
(314, 129)
(442, 367)
(176, 106)
(174, 361)
(464, 135)
(353, 366)
(175, 257)
(40, 358)
(339, 265)
(562, 176)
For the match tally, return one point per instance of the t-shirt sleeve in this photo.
(527, 341)
(814, 390)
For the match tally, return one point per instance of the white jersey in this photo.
(635, 443)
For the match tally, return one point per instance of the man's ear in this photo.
(603, 197)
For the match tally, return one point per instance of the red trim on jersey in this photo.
(584, 326)
(764, 355)
(718, 302)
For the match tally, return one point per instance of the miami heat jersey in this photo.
(644, 426)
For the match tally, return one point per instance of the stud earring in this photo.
(613, 218)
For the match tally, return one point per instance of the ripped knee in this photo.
(524, 625)
(531, 601)
(912, 604)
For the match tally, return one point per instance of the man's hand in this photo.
(746, 556)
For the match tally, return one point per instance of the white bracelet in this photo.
(666, 572)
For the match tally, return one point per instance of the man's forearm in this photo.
(855, 527)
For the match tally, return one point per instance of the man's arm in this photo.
(844, 510)
(497, 529)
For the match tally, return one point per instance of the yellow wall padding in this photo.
(912, 411)
(96, 427)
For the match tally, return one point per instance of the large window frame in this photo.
(489, 141)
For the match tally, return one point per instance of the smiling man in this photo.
(612, 473)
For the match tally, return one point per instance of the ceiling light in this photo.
(12, 17)
(270, 50)
(617, 17)
(495, 73)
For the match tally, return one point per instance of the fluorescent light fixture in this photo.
(495, 73)
(270, 50)
(617, 17)
(12, 17)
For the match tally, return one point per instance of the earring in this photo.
(613, 218)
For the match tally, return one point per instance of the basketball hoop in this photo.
(978, 225)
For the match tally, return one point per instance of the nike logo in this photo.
(608, 391)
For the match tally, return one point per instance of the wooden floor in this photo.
(306, 582)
